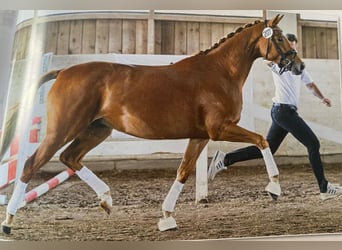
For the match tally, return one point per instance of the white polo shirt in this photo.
(287, 85)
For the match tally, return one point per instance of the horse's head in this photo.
(274, 46)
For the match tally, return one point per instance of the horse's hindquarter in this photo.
(165, 102)
(74, 99)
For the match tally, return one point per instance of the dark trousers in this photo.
(285, 119)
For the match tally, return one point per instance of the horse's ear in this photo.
(273, 22)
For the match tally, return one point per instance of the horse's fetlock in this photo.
(262, 143)
(166, 214)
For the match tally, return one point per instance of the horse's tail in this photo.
(12, 116)
(48, 76)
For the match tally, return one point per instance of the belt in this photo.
(290, 106)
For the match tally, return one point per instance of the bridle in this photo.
(285, 64)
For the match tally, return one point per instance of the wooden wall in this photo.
(87, 37)
(186, 38)
(180, 35)
(319, 40)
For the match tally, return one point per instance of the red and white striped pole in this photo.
(45, 187)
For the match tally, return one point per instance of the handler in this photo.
(285, 119)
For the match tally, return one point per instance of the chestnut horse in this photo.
(199, 98)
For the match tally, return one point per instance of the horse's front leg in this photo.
(234, 133)
(194, 149)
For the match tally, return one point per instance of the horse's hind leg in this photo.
(73, 154)
(43, 154)
(194, 149)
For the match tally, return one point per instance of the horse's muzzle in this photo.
(297, 69)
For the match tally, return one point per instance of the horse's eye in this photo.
(280, 39)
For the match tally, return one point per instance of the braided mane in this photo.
(230, 35)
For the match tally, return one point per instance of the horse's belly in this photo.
(158, 127)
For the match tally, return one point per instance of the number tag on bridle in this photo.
(267, 32)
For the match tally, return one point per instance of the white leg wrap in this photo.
(17, 197)
(172, 197)
(271, 166)
(93, 181)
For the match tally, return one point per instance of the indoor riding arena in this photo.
(140, 172)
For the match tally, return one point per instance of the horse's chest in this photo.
(231, 107)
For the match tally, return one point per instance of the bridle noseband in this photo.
(285, 64)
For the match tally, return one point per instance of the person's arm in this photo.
(315, 90)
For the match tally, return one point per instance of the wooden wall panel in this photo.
(21, 47)
(332, 42)
(76, 32)
(26, 39)
(216, 32)
(21, 43)
(88, 38)
(102, 36)
(180, 38)
(309, 44)
(51, 37)
(167, 38)
(128, 36)
(141, 37)
(205, 36)
(157, 37)
(321, 49)
(193, 37)
(319, 42)
(115, 36)
(63, 38)
(230, 27)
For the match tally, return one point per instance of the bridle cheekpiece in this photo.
(285, 64)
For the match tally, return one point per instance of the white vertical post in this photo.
(150, 33)
(31, 73)
(247, 117)
(202, 176)
(339, 34)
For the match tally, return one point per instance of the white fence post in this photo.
(201, 176)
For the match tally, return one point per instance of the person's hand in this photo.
(326, 101)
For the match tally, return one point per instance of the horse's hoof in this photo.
(168, 223)
(273, 196)
(203, 201)
(273, 189)
(5, 228)
(106, 203)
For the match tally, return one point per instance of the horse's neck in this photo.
(237, 55)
